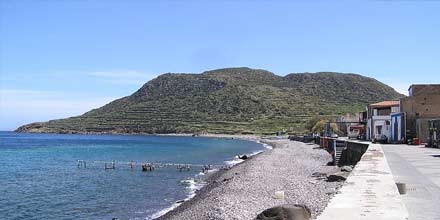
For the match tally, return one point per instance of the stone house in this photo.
(422, 104)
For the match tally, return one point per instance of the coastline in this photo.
(209, 179)
(248, 187)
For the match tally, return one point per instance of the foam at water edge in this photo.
(162, 212)
(237, 160)
(233, 162)
(193, 185)
(208, 171)
(267, 146)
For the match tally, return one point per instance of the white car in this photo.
(353, 134)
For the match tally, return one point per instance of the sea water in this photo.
(40, 178)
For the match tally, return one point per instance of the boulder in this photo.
(243, 157)
(335, 178)
(285, 212)
(346, 169)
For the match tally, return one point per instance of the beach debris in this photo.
(279, 195)
(319, 176)
(180, 201)
(227, 167)
(335, 178)
(313, 181)
(227, 179)
(285, 212)
(346, 169)
(243, 157)
(331, 163)
(206, 168)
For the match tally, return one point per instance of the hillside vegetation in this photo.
(231, 100)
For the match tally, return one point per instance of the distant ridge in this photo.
(230, 100)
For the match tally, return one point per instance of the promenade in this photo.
(419, 168)
(369, 192)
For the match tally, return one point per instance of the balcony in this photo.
(381, 117)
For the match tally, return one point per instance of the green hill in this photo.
(231, 100)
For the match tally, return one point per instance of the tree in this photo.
(319, 126)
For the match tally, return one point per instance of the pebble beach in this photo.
(248, 188)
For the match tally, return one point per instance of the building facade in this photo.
(422, 105)
(379, 120)
(398, 128)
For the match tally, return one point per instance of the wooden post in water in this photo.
(112, 165)
(147, 167)
(81, 163)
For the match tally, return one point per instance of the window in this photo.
(379, 129)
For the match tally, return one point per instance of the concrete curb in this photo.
(368, 193)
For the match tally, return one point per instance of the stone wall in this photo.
(352, 153)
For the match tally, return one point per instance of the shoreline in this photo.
(247, 188)
(222, 196)
(210, 179)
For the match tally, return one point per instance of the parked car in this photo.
(353, 134)
(356, 131)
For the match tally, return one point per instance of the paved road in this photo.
(419, 168)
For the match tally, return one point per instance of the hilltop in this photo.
(230, 100)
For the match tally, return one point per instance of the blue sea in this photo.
(40, 179)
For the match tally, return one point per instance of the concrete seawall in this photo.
(369, 192)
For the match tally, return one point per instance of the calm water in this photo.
(39, 178)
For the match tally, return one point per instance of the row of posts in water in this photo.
(149, 166)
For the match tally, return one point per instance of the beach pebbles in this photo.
(292, 167)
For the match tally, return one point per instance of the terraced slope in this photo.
(232, 100)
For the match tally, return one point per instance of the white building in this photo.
(379, 119)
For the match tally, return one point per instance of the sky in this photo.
(62, 58)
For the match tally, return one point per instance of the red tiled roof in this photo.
(386, 104)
